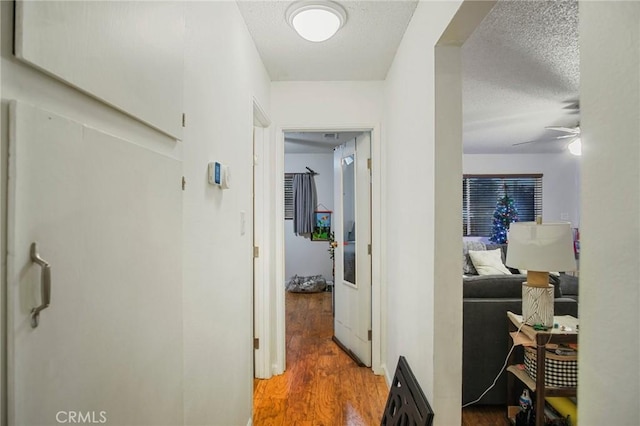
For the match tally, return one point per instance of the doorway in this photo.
(281, 272)
(309, 155)
(327, 255)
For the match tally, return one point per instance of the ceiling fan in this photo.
(574, 146)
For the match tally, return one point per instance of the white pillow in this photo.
(488, 262)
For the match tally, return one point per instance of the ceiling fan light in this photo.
(575, 147)
(316, 21)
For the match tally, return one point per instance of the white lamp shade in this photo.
(541, 247)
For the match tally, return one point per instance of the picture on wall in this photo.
(322, 227)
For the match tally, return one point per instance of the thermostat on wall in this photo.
(219, 175)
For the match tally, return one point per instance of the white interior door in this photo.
(352, 227)
(107, 216)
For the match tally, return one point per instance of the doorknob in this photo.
(45, 285)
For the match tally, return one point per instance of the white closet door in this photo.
(107, 216)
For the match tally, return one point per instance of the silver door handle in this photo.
(45, 285)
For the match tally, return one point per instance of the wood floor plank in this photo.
(327, 407)
(269, 412)
(322, 385)
(485, 415)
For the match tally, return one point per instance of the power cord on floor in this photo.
(504, 366)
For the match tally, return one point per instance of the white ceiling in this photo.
(520, 67)
(315, 142)
(362, 50)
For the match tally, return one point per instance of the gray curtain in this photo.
(304, 203)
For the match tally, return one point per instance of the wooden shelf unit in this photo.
(541, 340)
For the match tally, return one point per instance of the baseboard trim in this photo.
(275, 370)
(387, 377)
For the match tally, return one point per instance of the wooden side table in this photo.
(567, 332)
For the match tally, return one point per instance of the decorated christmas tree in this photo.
(504, 214)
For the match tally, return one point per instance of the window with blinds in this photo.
(480, 194)
(288, 196)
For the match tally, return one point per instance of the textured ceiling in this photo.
(520, 66)
(362, 50)
(521, 74)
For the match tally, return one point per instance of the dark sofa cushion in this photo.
(568, 284)
(498, 286)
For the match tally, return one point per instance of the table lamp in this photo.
(539, 248)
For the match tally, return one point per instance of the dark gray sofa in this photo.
(569, 286)
(486, 300)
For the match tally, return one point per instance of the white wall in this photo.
(416, 308)
(325, 104)
(609, 356)
(223, 71)
(560, 181)
(303, 256)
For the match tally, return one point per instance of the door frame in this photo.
(260, 239)
(378, 285)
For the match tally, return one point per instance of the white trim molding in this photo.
(260, 117)
(261, 239)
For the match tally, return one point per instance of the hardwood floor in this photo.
(485, 415)
(322, 385)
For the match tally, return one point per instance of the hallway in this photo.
(322, 385)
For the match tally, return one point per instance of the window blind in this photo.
(288, 196)
(480, 194)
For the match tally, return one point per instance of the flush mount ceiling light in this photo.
(316, 20)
